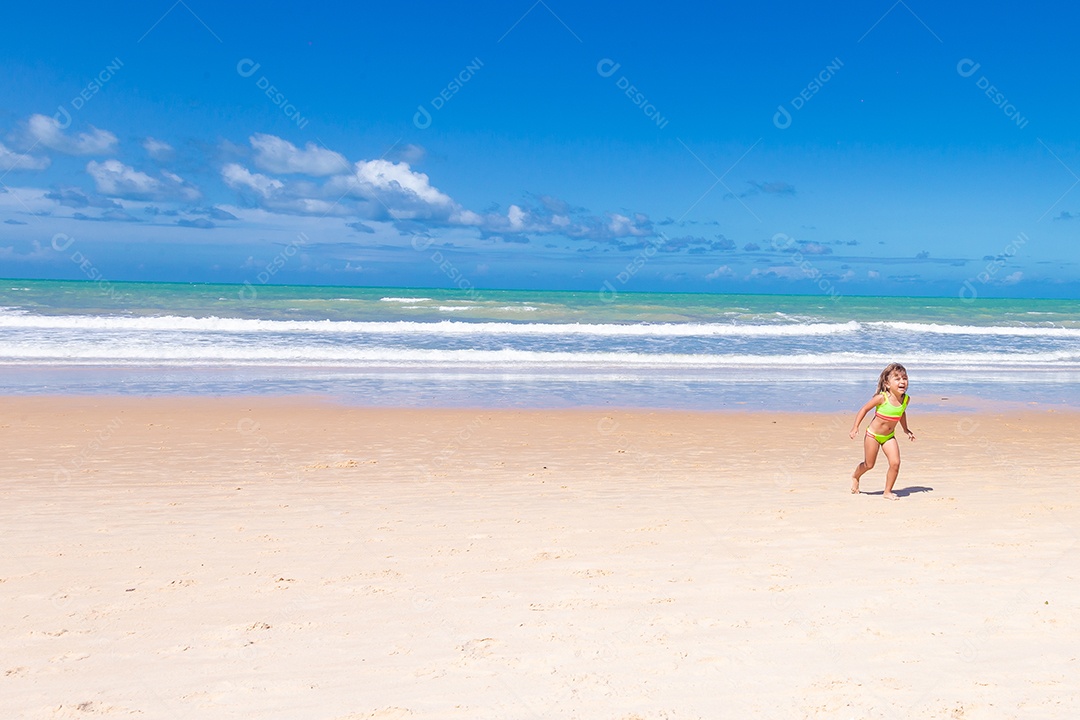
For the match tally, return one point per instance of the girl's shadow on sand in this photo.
(902, 492)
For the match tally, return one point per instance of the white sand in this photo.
(192, 558)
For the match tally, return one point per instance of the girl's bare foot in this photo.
(891, 496)
(854, 485)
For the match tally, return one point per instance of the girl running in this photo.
(890, 407)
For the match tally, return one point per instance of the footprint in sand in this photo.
(69, 657)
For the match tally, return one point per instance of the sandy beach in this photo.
(293, 558)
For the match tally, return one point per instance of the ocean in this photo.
(508, 348)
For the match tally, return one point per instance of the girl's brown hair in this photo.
(889, 370)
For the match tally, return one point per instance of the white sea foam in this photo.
(999, 330)
(637, 348)
(399, 299)
(16, 318)
(99, 352)
(172, 323)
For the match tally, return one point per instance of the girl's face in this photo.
(897, 381)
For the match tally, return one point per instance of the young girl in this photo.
(891, 403)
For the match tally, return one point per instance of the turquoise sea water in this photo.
(413, 347)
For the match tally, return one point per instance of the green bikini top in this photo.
(888, 411)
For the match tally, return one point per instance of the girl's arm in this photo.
(903, 424)
(873, 403)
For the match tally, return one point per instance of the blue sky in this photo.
(855, 148)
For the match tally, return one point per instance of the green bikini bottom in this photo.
(882, 439)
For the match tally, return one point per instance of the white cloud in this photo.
(312, 206)
(622, 226)
(17, 161)
(280, 156)
(813, 248)
(517, 218)
(157, 149)
(467, 217)
(403, 193)
(522, 219)
(399, 178)
(181, 187)
(384, 189)
(238, 177)
(722, 271)
(1013, 278)
(788, 272)
(113, 177)
(46, 131)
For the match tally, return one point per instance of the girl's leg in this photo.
(870, 450)
(892, 452)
